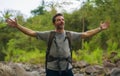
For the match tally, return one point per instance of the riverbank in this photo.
(80, 68)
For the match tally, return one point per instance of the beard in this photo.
(60, 27)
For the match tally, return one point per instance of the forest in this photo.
(18, 47)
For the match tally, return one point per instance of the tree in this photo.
(40, 9)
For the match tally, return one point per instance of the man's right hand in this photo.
(12, 22)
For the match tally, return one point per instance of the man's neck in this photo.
(60, 30)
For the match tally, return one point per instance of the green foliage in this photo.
(2, 25)
(6, 14)
(18, 51)
(40, 22)
(112, 46)
(92, 57)
(18, 55)
(19, 47)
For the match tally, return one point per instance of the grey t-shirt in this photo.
(63, 49)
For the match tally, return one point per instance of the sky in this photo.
(25, 6)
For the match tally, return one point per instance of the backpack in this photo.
(49, 58)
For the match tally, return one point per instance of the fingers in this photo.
(104, 25)
(8, 21)
(107, 23)
(11, 22)
(101, 22)
(15, 19)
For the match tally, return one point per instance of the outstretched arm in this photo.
(14, 23)
(103, 26)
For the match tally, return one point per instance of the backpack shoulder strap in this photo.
(51, 37)
(68, 35)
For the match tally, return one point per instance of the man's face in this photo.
(59, 22)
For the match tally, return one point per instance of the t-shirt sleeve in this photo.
(43, 35)
(76, 36)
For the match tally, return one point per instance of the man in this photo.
(60, 46)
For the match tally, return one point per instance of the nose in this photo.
(62, 20)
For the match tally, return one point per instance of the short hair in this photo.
(54, 17)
